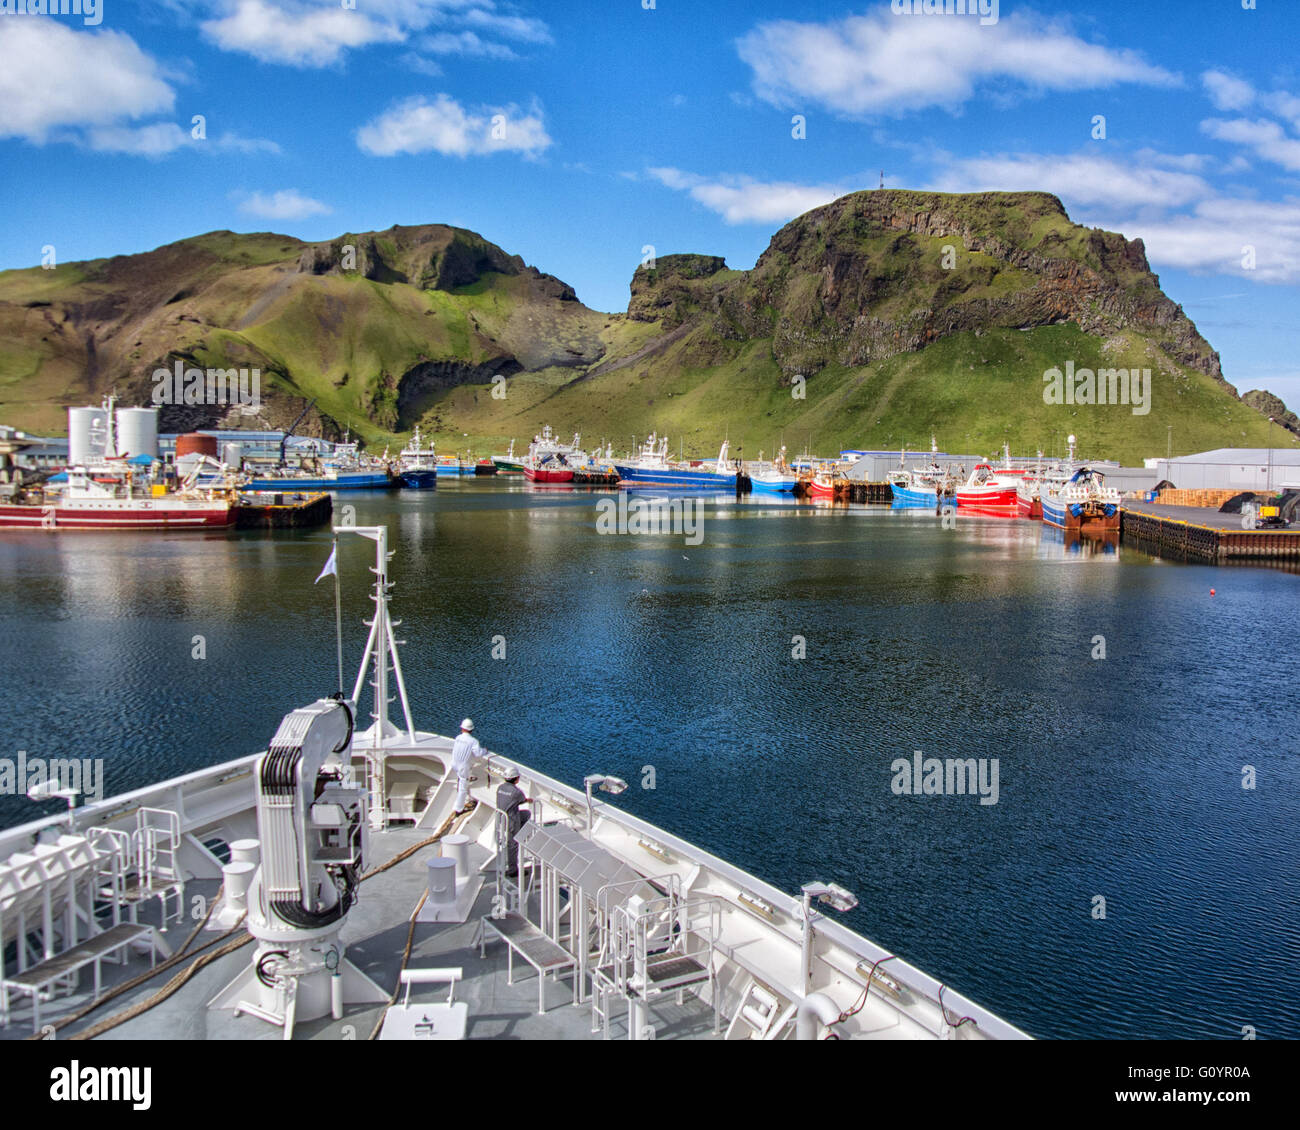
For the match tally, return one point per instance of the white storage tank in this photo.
(233, 455)
(87, 428)
(137, 431)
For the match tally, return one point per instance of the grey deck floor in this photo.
(375, 936)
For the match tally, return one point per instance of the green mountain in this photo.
(876, 321)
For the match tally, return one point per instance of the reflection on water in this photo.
(1119, 777)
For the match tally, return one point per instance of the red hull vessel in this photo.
(1028, 508)
(547, 474)
(139, 514)
(988, 491)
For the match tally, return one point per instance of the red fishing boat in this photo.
(987, 489)
(104, 500)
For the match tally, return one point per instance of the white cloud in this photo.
(54, 77)
(157, 139)
(464, 43)
(1227, 92)
(443, 125)
(1080, 177)
(287, 204)
(743, 200)
(1213, 237)
(300, 35)
(154, 140)
(887, 64)
(1284, 105)
(1265, 138)
(319, 33)
(523, 28)
(1184, 221)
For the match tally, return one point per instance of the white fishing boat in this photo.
(332, 871)
(418, 466)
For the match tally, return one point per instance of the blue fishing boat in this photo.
(922, 487)
(776, 477)
(418, 469)
(1084, 503)
(652, 467)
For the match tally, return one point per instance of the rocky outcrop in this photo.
(867, 276)
(1266, 404)
(432, 256)
(668, 291)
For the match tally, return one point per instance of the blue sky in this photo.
(578, 134)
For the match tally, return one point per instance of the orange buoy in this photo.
(1211, 592)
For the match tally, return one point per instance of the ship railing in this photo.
(158, 873)
(657, 947)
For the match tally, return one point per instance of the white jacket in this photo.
(463, 751)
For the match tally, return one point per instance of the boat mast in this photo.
(381, 646)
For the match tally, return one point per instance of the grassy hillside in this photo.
(898, 315)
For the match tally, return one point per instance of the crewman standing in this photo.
(509, 797)
(464, 750)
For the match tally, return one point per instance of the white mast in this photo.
(382, 644)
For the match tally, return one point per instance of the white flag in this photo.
(331, 566)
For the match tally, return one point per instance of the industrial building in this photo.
(1262, 469)
(136, 433)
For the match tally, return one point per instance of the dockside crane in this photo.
(289, 430)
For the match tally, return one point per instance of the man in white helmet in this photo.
(463, 752)
(509, 797)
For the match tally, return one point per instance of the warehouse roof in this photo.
(1288, 456)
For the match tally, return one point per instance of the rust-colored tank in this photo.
(192, 443)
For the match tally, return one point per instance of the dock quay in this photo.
(279, 511)
(870, 492)
(1196, 533)
(852, 490)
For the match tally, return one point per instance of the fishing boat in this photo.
(1083, 503)
(596, 469)
(318, 862)
(826, 482)
(927, 487)
(549, 460)
(509, 463)
(652, 467)
(987, 489)
(547, 468)
(418, 467)
(1029, 503)
(111, 496)
(776, 477)
(344, 469)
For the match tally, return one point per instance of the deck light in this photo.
(606, 784)
(828, 894)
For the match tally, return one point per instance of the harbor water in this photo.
(765, 677)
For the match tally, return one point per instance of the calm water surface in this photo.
(1118, 777)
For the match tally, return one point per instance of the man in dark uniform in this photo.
(509, 797)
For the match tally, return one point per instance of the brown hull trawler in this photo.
(1083, 504)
